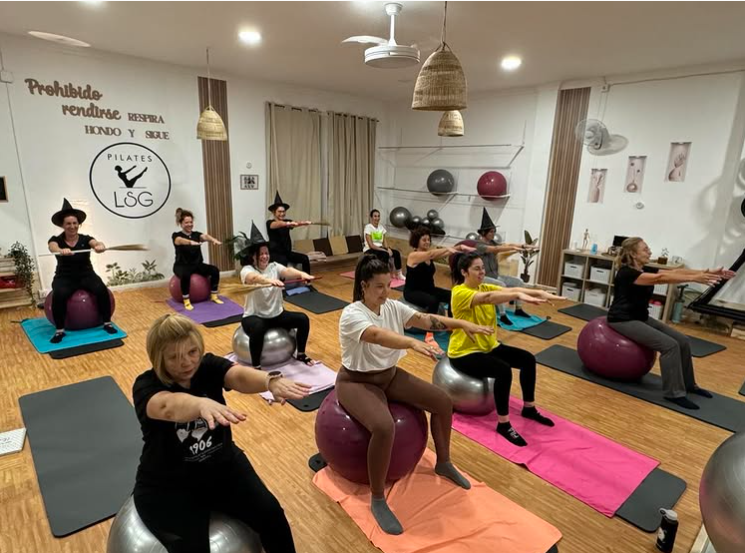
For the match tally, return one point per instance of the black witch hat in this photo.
(278, 203)
(67, 210)
(486, 223)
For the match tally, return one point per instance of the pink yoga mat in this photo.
(594, 469)
(395, 283)
(318, 376)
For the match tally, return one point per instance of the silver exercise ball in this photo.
(279, 346)
(129, 534)
(415, 221)
(432, 214)
(438, 223)
(721, 496)
(473, 236)
(399, 217)
(426, 222)
(474, 396)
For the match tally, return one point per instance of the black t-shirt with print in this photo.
(630, 301)
(188, 255)
(73, 265)
(173, 452)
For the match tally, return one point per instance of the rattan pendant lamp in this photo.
(441, 84)
(451, 124)
(210, 125)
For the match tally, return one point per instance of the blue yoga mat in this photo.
(40, 331)
(442, 338)
(520, 323)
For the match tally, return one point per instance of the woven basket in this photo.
(451, 124)
(441, 84)
(210, 126)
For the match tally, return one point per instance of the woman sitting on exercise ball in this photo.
(190, 465)
(376, 244)
(189, 260)
(420, 288)
(74, 270)
(264, 309)
(371, 333)
(280, 243)
(483, 356)
(629, 315)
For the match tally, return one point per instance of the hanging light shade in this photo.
(451, 124)
(441, 83)
(210, 125)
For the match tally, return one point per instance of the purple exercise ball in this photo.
(607, 353)
(82, 310)
(342, 441)
(199, 289)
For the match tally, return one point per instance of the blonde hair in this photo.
(628, 249)
(166, 330)
(182, 214)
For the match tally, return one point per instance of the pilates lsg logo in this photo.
(130, 180)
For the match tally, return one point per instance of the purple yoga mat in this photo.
(594, 469)
(207, 311)
(318, 376)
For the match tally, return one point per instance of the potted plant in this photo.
(24, 268)
(662, 260)
(239, 243)
(527, 256)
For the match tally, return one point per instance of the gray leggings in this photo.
(506, 282)
(676, 364)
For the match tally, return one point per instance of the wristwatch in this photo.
(272, 375)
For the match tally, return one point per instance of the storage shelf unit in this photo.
(11, 297)
(578, 268)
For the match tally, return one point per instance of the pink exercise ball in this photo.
(342, 441)
(199, 289)
(607, 353)
(491, 184)
(82, 310)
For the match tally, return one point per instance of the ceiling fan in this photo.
(387, 54)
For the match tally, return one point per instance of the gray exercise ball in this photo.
(721, 496)
(438, 223)
(129, 534)
(414, 222)
(279, 346)
(426, 222)
(474, 396)
(473, 236)
(399, 216)
(432, 214)
(440, 181)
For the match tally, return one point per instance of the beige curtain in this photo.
(351, 172)
(294, 162)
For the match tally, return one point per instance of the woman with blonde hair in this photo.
(190, 465)
(629, 315)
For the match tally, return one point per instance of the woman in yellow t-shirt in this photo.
(482, 356)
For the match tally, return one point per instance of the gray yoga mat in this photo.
(720, 410)
(703, 348)
(547, 330)
(584, 311)
(86, 443)
(659, 489)
(316, 302)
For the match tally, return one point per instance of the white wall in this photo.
(56, 153)
(692, 218)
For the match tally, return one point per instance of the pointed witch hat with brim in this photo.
(278, 203)
(67, 210)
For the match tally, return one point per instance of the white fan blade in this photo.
(364, 39)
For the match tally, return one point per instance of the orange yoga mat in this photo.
(438, 516)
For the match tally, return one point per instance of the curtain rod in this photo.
(322, 112)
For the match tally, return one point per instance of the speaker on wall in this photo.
(3, 190)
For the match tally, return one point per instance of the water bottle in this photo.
(668, 529)
(594, 249)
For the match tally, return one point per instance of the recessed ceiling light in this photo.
(59, 39)
(249, 37)
(93, 2)
(510, 63)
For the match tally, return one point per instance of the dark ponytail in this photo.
(463, 262)
(367, 267)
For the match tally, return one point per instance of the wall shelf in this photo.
(445, 194)
(464, 156)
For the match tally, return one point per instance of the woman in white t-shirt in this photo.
(371, 332)
(264, 308)
(376, 244)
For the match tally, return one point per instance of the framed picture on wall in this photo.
(677, 162)
(249, 182)
(596, 190)
(3, 190)
(635, 175)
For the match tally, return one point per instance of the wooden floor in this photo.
(279, 440)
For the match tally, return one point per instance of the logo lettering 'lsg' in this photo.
(130, 180)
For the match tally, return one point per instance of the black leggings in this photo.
(284, 258)
(64, 287)
(255, 327)
(498, 364)
(184, 272)
(384, 257)
(179, 517)
(429, 300)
